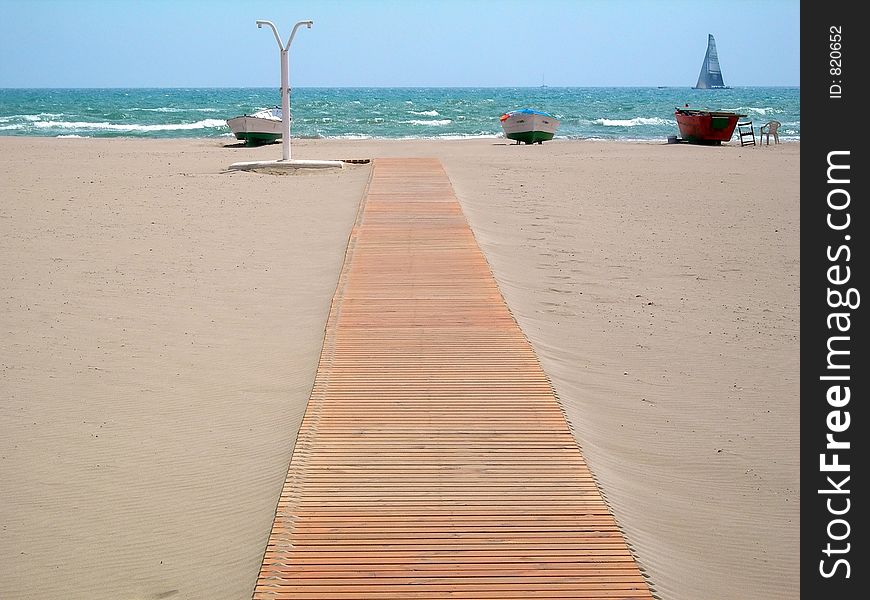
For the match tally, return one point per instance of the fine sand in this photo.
(161, 321)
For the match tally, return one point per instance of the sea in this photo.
(599, 113)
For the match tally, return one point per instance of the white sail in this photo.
(711, 73)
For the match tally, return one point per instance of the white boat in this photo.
(262, 127)
(529, 126)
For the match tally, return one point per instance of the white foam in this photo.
(632, 122)
(425, 113)
(204, 124)
(433, 123)
(170, 109)
(30, 118)
(757, 110)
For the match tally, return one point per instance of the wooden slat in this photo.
(434, 459)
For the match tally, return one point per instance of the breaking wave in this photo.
(204, 124)
(757, 110)
(433, 123)
(171, 109)
(632, 122)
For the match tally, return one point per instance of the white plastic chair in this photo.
(768, 129)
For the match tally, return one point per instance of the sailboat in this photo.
(711, 74)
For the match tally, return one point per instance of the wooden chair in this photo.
(746, 133)
(768, 129)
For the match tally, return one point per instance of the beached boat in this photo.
(710, 77)
(262, 127)
(529, 126)
(706, 126)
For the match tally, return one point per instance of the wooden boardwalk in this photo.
(434, 460)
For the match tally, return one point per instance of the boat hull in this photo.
(529, 128)
(255, 131)
(706, 127)
(530, 137)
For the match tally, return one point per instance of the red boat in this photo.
(706, 126)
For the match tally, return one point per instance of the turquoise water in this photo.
(585, 113)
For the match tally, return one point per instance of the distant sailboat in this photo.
(711, 75)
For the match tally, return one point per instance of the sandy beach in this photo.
(162, 318)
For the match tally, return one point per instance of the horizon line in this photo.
(359, 87)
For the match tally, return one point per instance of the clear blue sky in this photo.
(205, 43)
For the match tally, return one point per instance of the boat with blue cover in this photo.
(529, 126)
